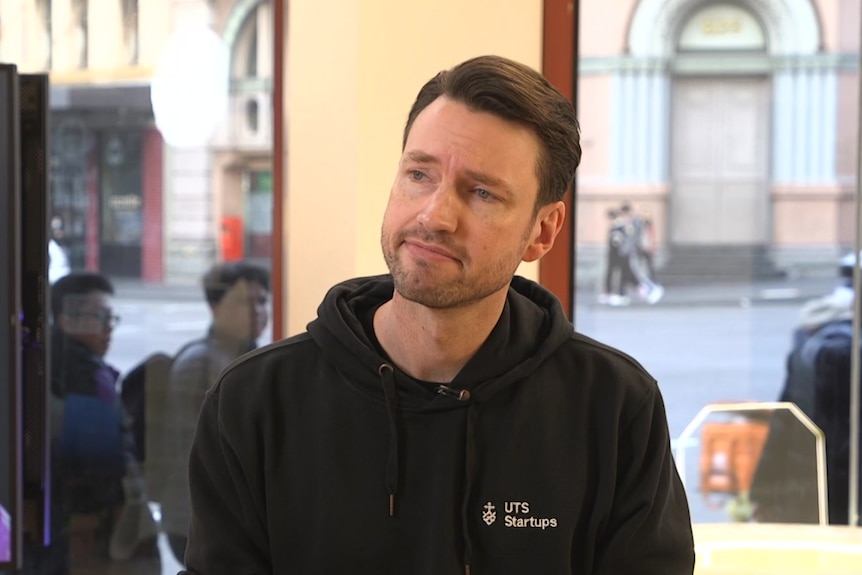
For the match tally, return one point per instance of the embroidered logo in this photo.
(489, 515)
(518, 514)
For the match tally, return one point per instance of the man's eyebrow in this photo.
(480, 177)
(487, 180)
(421, 157)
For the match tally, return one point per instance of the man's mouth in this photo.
(430, 250)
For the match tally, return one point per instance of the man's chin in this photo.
(437, 295)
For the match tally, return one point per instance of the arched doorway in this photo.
(731, 78)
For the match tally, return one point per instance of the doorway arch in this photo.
(728, 95)
(793, 26)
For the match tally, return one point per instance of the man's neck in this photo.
(435, 344)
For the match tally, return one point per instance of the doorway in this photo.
(720, 161)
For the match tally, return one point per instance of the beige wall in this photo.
(353, 68)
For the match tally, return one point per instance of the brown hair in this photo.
(515, 92)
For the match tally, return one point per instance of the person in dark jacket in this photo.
(784, 488)
(618, 273)
(446, 418)
(832, 408)
(237, 294)
(92, 447)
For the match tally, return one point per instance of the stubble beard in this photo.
(420, 286)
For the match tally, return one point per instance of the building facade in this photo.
(124, 201)
(732, 124)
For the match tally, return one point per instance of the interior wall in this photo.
(352, 70)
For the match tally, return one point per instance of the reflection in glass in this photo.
(727, 123)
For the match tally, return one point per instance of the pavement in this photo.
(765, 292)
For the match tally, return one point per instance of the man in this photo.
(833, 398)
(58, 259)
(618, 274)
(446, 419)
(785, 483)
(237, 294)
(832, 413)
(92, 447)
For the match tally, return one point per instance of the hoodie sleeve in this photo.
(227, 535)
(648, 531)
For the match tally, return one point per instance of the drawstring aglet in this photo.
(391, 505)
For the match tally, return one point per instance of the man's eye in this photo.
(484, 194)
(416, 175)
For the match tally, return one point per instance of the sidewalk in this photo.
(738, 294)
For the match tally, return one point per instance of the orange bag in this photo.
(729, 454)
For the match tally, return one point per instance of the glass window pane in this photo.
(715, 212)
(159, 210)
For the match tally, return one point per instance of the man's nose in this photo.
(440, 212)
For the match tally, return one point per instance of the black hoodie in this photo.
(549, 453)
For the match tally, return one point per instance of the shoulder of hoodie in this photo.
(621, 369)
(244, 376)
(245, 373)
(616, 381)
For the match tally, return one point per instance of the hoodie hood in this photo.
(506, 356)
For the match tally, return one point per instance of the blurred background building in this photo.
(732, 124)
(124, 201)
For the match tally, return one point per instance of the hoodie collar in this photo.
(530, 328)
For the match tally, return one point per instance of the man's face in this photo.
(460, 216)
(243, 311)
(90, 320)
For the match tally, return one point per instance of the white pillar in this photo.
(68, 38)
(106, 47)
(191, 227)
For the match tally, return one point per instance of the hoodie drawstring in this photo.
(386, 376)
(469, 479)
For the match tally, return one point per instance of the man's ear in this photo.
(549, 222)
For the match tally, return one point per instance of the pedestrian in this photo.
(618, 274)
(92, 447)
(647, 243)
(784, 488)
(634, 253)
(237, 295)
(58, 259)
(833, 406)
(445, 418)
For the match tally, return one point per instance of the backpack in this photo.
(144, 393)
(801, 368)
